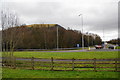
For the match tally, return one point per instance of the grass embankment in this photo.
(68, 55)
(21, 73)
(118, 47)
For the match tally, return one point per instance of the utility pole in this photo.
(103, 38)
(82, 31)
(88, 38)
(45, 39)
(45, 36)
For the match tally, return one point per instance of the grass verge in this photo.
(21, 73)
(68, 55)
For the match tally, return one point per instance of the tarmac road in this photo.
(85, 50)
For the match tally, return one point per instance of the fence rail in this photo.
(63, 64)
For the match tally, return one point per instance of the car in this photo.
(111, 47)
(98, 46)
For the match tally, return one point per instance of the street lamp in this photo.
(57, 39)
(82, 31)
(88, 38)
(88, 41)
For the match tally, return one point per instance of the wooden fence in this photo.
(63, 64)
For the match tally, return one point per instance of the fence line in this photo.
(67, 64)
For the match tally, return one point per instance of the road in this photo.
(85, 50)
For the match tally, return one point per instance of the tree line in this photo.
(44, 36)
(114, 41)
(40, 36)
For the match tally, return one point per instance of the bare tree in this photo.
(10, 31)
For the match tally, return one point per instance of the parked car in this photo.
(98, 46)
(111, 47)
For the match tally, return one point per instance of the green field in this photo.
(23, 73)
(68, 55)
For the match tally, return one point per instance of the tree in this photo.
(114, 41)
(42, 37)
(10, 31)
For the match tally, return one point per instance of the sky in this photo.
(99, 16)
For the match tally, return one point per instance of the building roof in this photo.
(42, 25)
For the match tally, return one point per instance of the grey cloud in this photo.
(96, 15)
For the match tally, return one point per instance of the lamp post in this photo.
(103, 39)
(57, 38)
(82, 31)
(88, 38)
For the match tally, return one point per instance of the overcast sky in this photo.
(98, 15)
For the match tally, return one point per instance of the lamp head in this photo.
(79, 14)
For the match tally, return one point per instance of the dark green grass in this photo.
(21, 73)
(68, 55)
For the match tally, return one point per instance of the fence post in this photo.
(2, 62)
(6, 61)
(14, 62)
(32, 62)
(52, 63)
(116, 64)
(73, 64)
(11, 61)
(94, 64)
